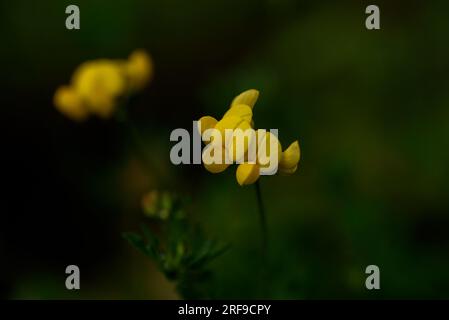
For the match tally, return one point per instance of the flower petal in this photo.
(99, 83)
(290, 158)
(216, 167)
(69, 103)
(206, 122)
(265, 141)
(209, 162)
(288, 171)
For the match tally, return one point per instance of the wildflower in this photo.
(97, 86)
(239, 119)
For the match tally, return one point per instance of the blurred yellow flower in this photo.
(290, 158)
(240, 117)
(98, 85)
(69, 103)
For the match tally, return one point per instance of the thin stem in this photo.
(263, 220)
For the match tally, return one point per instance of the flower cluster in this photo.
(240, 117)
(97, 85)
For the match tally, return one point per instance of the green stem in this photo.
(263, 220)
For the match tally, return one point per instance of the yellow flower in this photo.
(237, 121)
(247, 173)
(69, 103)
(229, 124)
(248, 97)
(98, 85)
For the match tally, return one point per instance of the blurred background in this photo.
(370, 110)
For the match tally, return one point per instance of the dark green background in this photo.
(370, 109)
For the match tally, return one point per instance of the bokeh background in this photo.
(370, 109)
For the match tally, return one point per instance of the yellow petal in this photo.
(287, 171)
(104, 76)
(208, 159)
(240, 110)
(290, 157)
(243, 144)
(247, 173)
(206, 122)
(139, 69)
(248, 97)
(150, 203)
(69, 103)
